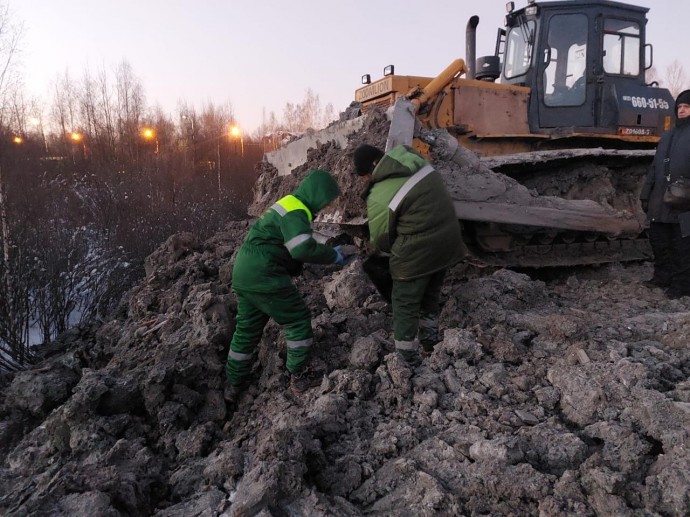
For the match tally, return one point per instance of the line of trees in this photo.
(82, 206)
(93, 181)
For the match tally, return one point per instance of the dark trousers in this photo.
(671, 257)
(416, 309)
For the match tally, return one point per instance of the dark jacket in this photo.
(675, 144)
(411, 216)
(279, 242)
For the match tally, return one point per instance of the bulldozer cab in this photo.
(585, 63)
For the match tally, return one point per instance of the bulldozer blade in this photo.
(403, 118)
(579, 215)
(294, 154)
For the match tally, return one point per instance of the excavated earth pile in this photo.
(348, 207)
(560, 396)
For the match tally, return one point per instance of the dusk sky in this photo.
(262, 54)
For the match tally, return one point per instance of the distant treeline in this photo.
(94, 179)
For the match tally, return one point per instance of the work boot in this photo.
(304, 379)
(428, 334)
(411, 357)
(232, 392)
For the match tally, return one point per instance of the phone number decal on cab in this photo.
(648, 103)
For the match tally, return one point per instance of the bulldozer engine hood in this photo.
(316, 190)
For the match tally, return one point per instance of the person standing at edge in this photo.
(274, 250)
(669, 228)
(411, 217)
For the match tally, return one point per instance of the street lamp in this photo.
(150, 134)
(78, 138)
(236, 132)
(18, 140)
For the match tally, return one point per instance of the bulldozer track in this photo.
(568, 254)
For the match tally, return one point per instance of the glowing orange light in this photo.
(235, 131)
(76, 136)
(148, 133)
(18, 140)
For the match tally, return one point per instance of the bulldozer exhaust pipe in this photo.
(471, 46)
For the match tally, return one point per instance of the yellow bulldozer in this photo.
(562, 108)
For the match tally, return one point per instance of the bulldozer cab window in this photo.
(518, 54)
(621, 47)
(566, 60)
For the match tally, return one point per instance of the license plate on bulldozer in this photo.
(635, 131)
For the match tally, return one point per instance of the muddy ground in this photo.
(556, 394)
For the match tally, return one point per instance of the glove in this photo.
(344, 254)
(645, 205)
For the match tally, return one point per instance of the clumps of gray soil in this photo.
(561, 397)
(554, 395)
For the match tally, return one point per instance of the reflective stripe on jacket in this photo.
(281, 240)
(412, 217)
(290, 203)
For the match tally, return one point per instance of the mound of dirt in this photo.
(557, 396)
(349, 207)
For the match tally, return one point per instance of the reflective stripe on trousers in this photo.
(305, 343)
(409, 346)
(237, 356)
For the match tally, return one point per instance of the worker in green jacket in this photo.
(274, 250)
(412, 219)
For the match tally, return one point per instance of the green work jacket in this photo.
(281, 240)
(411, 216)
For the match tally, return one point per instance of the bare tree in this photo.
(10, 37)
(216, 122)
(65, 105)
(88, 110)
(328, 115)
(308, 114)
(675, 78)
(130, 107)
(13, 316)
(106, 109)
(189, 133)
(268, 132)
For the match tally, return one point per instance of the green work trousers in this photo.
(416, 308)
(288, 309)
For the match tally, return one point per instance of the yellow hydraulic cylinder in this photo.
(440, 82)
